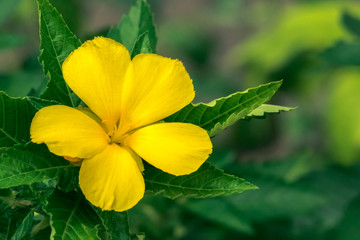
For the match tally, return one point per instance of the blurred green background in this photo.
(306, 162)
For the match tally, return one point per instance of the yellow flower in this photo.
(126, 99)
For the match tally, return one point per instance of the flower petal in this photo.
(155, 87)
(95, 72)
(68, 132)
(176, 148)
(112, 180)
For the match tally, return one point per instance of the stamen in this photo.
(109, 126)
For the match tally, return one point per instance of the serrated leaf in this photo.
(71, 217)
(217, 115)
(142, 45)
(16, 115)
(34, 163)
(56, 43)
(115, 223)
(351, 23)
(134, 25)
(39, 103)
(207, 181)
(266, 109)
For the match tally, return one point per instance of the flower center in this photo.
(116, 135)
(118, 139)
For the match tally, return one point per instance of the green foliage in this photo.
(16, 216)
(265, 109)
(290, 169)
(207, 181)
(34, 163)
(39, 193)
(342, 124)
(274, 200)
(318, 21)
(39, 103)
(347, 229)
(24, 228)
(342, 54)
(30, 80)
(71, 217)
(4, 218)
(115, 223)
(56, 43)
(136, 29)
(142, 45)
(16, 114)
(303, 208)
(351, 23)
(217, 115)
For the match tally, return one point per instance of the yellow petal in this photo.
(176, 148)
(112, 180)
(68, 132)
(95, 72)
(136, 157)
(155, 88)
(88, 112)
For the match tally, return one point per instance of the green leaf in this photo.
(34, 163)
(115, 223)
(208, 181)
(275, 200)
(16, 217)
(39, 103)
(56, 43)
(221, 213)
(142, 45)
(71, 217)
(134, 25)
(306, 198)
(5, 213)
(28, 81)
(41, 230)
(342, 54)
(25, 226)
(344, 189)
(266, 109)
(289, 169)
(348, 227)
(351, 23)
(15, 120)
(217, 115)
